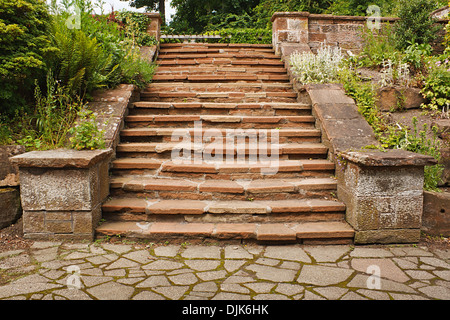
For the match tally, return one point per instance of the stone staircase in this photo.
(193, 162)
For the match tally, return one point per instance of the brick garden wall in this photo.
(293, 30)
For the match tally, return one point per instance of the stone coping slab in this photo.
(389, 158)
(61, 158)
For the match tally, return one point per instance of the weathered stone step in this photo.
(218, 70)
(221, 61)
(318, 168)
(215, 106)
(194, 189)
(224, 121)
(338, 232)
(204, 133)
(213, 53)
(200, 207)
(249, 46)
(217, 148)
(228, 77)
(223, 86)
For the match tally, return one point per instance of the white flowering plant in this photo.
(323, 67)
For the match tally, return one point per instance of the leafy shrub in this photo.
(415, 24)
(24, 44)
(80, 62)
(415, 53)
(135, 27)
(263, 36)
(322, 67)
(437, 85)
(85, 134)
(379, 45)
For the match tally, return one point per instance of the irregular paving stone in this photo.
(163, 265)
(26, 285)
(435, 262)
(387, 268)
(206, 287)
(167, 251)
(372, 294)
(111, 291)
(211, 275)
(237, 252)
(202, 265)
(71, 294)
(261, 287)
(90, 281)
(289, 289)
(331, 293)
(10, 253)
(183, 279)
(436, 292)
(327, 253)
(445, 275)
(233, 287)
(287, 253)
(148, 295)
(272, 273)
(173, 292)
(154, 281)
(361, 281)
(45, 244)
(233, 265)
(15, 262)
(122, 263)
(371, 253)
(117, 248)
(420, 275)
(201, 252)
(270, 296)
(353, 296)
(230, 296)
(323, 276)
(141, 256)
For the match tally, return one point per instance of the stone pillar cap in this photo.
(61, 158)
(153, 15)
(289, 15)
(388, 158)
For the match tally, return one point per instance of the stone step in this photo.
(223, 105)
(218, 70)
(133, 208)
(172, 54)
(194, 189)
(317, 168)
(205, 135)
(222, 121)
(228, 77)
(216, 45)
(216, 149)
(250, 87)
(329, 232)
(203, 62)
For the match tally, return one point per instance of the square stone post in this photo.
(154, 26)
(290, 32)
(383, 192)
(62, 192)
